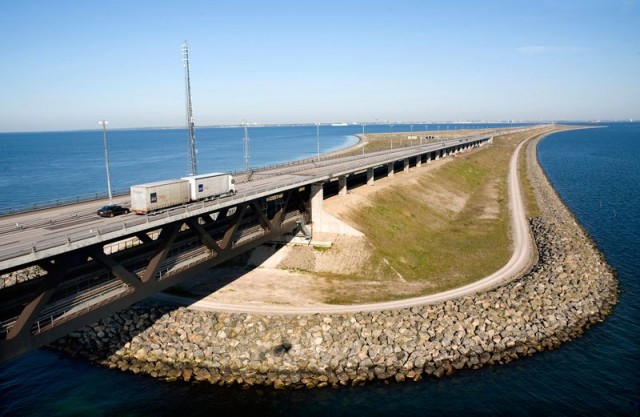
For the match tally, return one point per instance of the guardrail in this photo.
(61, 202)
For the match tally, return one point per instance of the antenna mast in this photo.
(192, 136)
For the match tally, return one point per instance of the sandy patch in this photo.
(491, 208)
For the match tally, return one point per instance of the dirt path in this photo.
(269, 289)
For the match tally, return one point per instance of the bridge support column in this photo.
(342, 185)
(390, 169)
(370, 176)
(406, 165)
(323, 222)
(418, 161)
(437, 155)
(317, 201)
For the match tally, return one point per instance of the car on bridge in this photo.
(112, 210)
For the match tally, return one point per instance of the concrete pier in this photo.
(342, 185)
(317, 201)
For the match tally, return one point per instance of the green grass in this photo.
(444, 248)
(321, 248)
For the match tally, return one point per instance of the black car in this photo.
(112, 210)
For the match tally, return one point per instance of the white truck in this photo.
(210, 186)
(154, 196)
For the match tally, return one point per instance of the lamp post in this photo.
(318, 140)
(106, 157)
(246, 151)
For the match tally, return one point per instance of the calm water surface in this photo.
(595, 171)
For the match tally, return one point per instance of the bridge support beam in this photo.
(323, 222)
(370, 176)
(317, 202)
(418, 161)
(390, 169)
(342, 185)
(405, 168)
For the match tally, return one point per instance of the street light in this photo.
(318, 140)
(104, 124)
(246, 151)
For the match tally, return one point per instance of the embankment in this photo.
(569, 289)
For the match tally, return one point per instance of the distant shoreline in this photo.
(233, 126)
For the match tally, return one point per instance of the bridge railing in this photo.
(61, 202)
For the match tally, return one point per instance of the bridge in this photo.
(64, 267)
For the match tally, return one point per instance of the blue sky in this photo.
(68, 64)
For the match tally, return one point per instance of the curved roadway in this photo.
(518, 264)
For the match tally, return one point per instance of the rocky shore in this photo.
(569, 289)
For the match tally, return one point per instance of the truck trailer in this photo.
(210, 186)
(154, 196)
